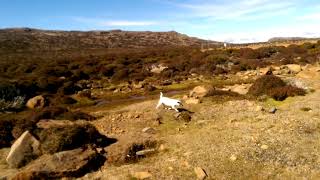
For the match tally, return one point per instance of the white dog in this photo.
(168, 102)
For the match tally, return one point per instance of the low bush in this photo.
(274, 87)
(57, 139)
(264, 84)
(281, 93)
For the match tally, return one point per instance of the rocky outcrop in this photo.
(23, 150)
(201, 91)
(73, 163)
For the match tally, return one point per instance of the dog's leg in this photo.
(159, 104)
(173, 107)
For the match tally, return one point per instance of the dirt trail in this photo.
(230, 140)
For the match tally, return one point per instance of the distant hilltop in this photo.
(282, 39)
(27, 39)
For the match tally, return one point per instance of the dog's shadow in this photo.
(184, 110)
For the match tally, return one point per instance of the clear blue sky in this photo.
(223, 20)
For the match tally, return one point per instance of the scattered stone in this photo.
(264, 147)
(307, 109)
(23, 150)
(294, 68)
(192, 101)
(233, 157)
(142, 175)
(239, 88)
(145, 152)
(162, 147)
(265, 71)
(273, 110)
(259, 108)
(186, 164)
(73, 163)
(232, 120)
(185, 97)
(149, 130)
(170, 168)
(200, 91)
(36, 102)
(158, 68)
(201, 174)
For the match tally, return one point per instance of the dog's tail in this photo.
(161, 94)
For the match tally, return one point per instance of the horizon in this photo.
(250, 21)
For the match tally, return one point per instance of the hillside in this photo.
(26, 39)
(290, 39)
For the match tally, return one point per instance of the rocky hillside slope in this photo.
(26, 39)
